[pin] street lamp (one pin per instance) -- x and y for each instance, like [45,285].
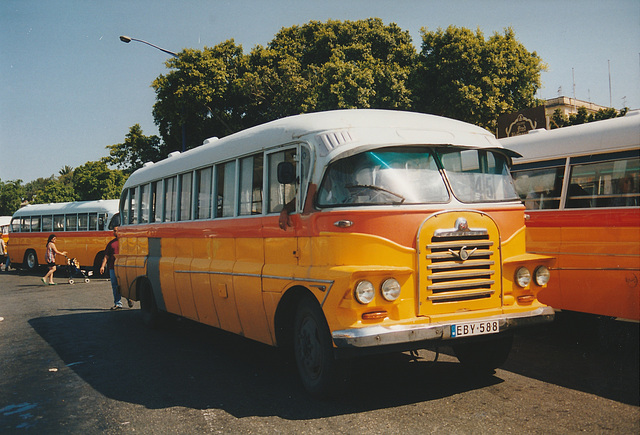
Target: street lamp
[126,40]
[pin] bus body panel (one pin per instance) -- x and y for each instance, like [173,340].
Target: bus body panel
[581,239]
[596,240]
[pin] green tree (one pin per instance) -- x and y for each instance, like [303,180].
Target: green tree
[56,192]
[11,194]
[318,66]
[136,150]
[332,65]
[33,189]
[94,180]
[464,76]
[199,94]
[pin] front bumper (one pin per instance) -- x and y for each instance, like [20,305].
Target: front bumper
[379,335]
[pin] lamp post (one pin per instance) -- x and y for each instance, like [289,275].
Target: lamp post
[126,40]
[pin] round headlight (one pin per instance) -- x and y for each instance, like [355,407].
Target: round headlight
[390,289]
[541,275]
[523,277]
[364,292]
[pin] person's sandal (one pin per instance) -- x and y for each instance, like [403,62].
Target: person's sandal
[44,281]
[130,303]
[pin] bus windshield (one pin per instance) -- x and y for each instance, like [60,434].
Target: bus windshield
[393,176]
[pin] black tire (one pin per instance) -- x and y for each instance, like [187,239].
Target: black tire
[320,373]
[151,316]
[483,357]
[30,260]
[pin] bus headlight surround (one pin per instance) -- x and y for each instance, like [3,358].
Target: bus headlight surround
[390,289]
[541,275]
[364,292]
[523,277]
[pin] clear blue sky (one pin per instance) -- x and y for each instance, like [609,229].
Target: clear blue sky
[69,87]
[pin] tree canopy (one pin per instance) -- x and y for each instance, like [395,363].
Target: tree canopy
[462,75]
[344,64]
[135,151]
[317,66]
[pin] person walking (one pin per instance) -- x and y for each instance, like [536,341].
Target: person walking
[110,252]
[3,253]
[50,258]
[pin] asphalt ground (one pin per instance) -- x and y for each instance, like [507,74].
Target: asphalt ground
[70,365]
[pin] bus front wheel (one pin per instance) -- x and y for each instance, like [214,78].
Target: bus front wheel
[319,371]
[31,260]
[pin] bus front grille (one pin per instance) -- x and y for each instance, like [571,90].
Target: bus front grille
[460,268]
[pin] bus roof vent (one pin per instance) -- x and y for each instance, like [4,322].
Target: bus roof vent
[173,154]
[147,164]
[333,140]
[210,140]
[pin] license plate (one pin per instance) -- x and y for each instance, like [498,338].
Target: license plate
[475,328]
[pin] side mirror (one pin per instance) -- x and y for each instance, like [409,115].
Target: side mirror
[286,173]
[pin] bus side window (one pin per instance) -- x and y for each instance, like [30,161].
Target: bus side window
[203,193]
[35,223]
[93,221]
[170,200]
[185,197]
[156,202]
[144,204]
[83,221]
[133,205]
[58,222]
[71,222]
[280,194]
[47,223]
[539,189]
[225,189]
[251,185]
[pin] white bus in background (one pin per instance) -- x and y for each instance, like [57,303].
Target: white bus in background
[83,229]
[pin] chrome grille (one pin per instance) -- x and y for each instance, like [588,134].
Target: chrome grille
[460,266]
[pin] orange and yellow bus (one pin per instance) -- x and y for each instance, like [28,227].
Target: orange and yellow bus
[580,188]
[5,223]
[337,234]
[83,229]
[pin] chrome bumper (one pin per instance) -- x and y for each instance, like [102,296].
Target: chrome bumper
[379,335]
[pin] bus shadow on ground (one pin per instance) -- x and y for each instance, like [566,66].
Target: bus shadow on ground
[584,353]
[196,366]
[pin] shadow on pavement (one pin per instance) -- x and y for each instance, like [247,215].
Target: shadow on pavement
[192,365]
[196,366]
[582,352]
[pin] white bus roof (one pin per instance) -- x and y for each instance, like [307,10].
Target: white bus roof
[330,133]
[109,206]
[609,135]
[5,220]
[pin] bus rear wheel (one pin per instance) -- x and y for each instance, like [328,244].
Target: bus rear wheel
[319,371]
[483,357]
[31,260]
